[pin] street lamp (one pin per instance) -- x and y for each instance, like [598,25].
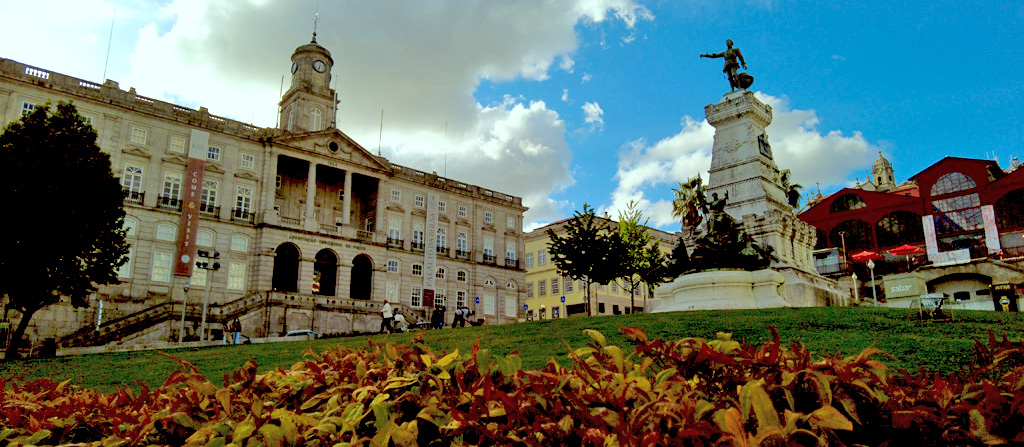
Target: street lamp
[856,297]
[184,305]
[874,293]
[210,264]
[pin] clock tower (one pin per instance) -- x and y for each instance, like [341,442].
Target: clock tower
[310,104]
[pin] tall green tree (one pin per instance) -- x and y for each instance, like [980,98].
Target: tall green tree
[792,190]
[587,250]
[690,202]
[639,256]
[62,234]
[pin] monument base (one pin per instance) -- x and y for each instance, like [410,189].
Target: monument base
[723,289]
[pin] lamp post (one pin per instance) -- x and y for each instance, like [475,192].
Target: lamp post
[874,293]
[210,264]
[184,305]
[856,297]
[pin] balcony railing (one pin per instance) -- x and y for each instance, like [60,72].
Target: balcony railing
[240,215]
[460,254]
[512,262]
[172,203]
[364,235]
[490,259]
[134,196]
[417,246]
[397,243]
[290,220]
[443,251]
[209,210]
[328,228]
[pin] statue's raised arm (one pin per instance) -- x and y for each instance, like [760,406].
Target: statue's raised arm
[733,61]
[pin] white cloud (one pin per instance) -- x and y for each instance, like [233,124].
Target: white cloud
[586,78]
[648,173]
[593,115]
[565,95]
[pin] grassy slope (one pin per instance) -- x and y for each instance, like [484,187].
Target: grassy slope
[825,331]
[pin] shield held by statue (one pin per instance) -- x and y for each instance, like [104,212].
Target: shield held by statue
[745,80]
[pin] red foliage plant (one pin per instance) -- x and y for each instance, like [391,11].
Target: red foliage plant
[691,392]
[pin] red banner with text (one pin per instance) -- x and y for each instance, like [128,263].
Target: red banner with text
[189,223]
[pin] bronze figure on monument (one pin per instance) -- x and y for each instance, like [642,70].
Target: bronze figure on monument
[733,59]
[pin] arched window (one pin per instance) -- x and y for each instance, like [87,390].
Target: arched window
[1010,210]
[286,268]
[952,182]
[362,278]
[325,272]
[847,202]
[855,233]
[316,119]
[898,228]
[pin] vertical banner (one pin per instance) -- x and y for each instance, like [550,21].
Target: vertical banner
[430,250]
[988,215]
[188,224]
[931,244]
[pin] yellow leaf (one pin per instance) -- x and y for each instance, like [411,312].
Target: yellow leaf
[753,397]
[399,382]
[243,431]
[426,359]
[596,336]
[405,434]
[565,423]
[617,357]
[448,359]
[444,375]
[495,409]
[829,417]
[273,436]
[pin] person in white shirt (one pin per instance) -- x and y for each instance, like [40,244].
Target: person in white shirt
[460,317]
[388,318]
[400,324]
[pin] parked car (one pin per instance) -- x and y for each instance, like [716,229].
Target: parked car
[302,333]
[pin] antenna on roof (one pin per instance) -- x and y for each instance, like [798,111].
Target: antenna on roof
[380,136]
[110,39]
[316,19]
[446,149]
[280,93]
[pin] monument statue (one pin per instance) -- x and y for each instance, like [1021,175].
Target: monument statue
[733,60]
[723,244]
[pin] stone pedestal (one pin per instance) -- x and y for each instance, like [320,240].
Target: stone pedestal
[722,289]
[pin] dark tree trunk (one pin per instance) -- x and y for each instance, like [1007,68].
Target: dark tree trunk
[19,331]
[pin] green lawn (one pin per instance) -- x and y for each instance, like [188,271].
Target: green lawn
[825,331]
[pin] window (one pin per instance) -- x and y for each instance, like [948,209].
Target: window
[236,276]
[568,285]
[847,202]
[554,285]
[462,242]
[899,227]
[391,291]
[131,181]
[243,202]
[615,288]
[198,278]
[440,297]
[125,270]
[161,267]
[529,260]
[394,230]
[417,201]
[529,290]
[542,288]
[855,233]
[442,207]
[542,257]
[86,119]
[583,285]
[171,193]
[510,222]
[952,182]
[239,243]
[177,145]
[600,308]
[489,246]
[248,161]
[277,181]
[396,195]
[166,232]
[208,197]
[460,298]
[442,238]
[316,119]
[416,296]
[204,238]
[131,224]
[489,303]
[139,135]
[462,211]
[510,252]
[213,153]
[488,217]
[957,214]
[392,266]
[291,118]
[441,273]
[510,306]
[460,276]
[27,108]
[417,236]
[417,269]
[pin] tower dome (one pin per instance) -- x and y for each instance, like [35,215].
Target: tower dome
[882,174]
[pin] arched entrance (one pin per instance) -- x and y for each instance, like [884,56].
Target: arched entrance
[362,278]
[326,267]
[286,268]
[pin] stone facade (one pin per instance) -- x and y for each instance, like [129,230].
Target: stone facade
[283,207]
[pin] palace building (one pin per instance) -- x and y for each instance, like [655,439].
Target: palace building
[308,228]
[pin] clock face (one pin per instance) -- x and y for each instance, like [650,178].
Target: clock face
[295,67]
[319,66]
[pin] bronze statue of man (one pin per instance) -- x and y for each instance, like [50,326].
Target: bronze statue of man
[731,69]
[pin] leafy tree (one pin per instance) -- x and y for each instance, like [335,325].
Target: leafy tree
[792,190]
[62,234]
[640,257]
[586,252]
[690,202]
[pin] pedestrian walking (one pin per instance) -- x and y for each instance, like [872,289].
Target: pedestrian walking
[388,318]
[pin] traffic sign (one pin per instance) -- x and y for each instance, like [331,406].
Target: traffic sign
[1004,301]
[526,307]
[563,298]
[478,300]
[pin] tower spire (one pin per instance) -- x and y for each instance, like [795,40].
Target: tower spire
[316,20]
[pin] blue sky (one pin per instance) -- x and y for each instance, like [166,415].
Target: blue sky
[561,103]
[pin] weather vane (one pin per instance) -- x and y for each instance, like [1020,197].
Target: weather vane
[316,19]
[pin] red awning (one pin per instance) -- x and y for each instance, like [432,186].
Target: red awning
[866,256]
[905,250]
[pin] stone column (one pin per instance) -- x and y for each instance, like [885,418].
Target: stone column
[270,188]
[346,208]
[309,223]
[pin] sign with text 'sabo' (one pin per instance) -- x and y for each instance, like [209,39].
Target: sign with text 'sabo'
[192,190]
